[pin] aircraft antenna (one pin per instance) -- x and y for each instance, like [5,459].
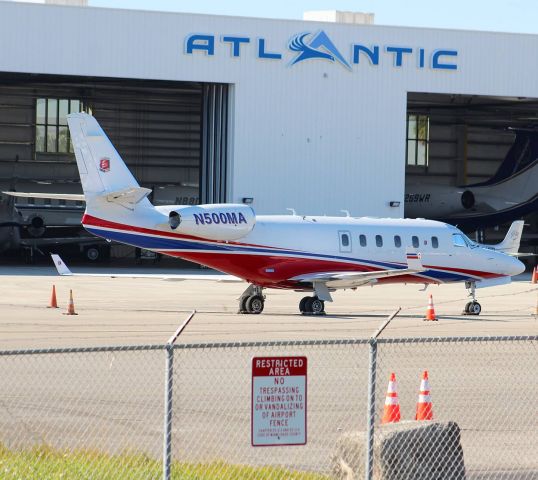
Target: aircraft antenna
[346,212]
[292,210]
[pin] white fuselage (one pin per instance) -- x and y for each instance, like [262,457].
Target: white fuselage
[279,248]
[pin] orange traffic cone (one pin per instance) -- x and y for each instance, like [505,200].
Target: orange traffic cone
[391,412]
[53,302]
[71,306]
[424,404]
[430,312]
[534,277]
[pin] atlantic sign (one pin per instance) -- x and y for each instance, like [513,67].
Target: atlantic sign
[309,46]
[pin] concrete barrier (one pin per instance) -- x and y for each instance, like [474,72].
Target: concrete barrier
[405,450]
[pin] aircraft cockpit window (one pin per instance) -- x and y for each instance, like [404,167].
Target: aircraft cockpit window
[415,241]
[458,240]
[362,240]
[397,241]
[435,242]
[379,240]
[469,242]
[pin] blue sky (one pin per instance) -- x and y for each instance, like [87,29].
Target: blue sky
[495,15]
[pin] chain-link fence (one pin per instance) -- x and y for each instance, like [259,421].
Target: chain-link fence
[185,412]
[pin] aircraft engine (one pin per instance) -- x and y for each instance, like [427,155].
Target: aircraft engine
[467,199]
[36,228]
[216,221]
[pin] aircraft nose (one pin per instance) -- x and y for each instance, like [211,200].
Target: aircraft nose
[514,266]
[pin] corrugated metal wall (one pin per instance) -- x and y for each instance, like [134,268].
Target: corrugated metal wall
[485,150]
[156,127]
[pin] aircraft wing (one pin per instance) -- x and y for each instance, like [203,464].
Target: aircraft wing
[40,242]
[357,279]
[53,196]
[64,270]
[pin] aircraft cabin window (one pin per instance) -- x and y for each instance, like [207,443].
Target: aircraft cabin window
[397,241]
[415,241]
[458,240]
[435,242]
[362,240]
[345,241]
[379,240]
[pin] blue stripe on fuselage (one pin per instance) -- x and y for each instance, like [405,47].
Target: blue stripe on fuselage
[163,243]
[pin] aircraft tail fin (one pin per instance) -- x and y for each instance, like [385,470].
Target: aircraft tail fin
[102,170]
[510,244]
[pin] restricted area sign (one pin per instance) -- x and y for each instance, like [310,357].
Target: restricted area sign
[278,401]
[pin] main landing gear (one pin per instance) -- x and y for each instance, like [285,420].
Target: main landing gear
[252,300]
[473,307]
[312,306]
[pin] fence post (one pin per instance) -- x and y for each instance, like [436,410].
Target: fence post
[168,392]
[370,422]
[371,410]
[168,395]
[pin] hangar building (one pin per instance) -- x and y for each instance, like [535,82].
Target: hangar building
[315,116]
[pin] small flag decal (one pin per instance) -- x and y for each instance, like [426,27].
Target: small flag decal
[104,164]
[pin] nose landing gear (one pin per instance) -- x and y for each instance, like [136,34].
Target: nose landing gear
[473,307]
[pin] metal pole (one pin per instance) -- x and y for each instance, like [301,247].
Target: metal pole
[168,391]
[370,428]
[168,395]
[371,411]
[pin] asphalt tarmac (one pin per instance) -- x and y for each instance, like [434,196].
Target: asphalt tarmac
[113,401]
[125,311]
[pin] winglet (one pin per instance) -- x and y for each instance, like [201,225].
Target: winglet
[62,268]
[414,260]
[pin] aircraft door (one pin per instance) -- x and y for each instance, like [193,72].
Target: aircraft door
[344,238]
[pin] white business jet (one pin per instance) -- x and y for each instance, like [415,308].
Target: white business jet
[303,253]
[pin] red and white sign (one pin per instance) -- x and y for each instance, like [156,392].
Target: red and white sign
[104,164]
[278,401]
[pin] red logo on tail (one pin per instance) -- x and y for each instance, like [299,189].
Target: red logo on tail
[104,164]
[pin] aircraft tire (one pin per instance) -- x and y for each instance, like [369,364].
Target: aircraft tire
[302,304]
[243,305]
[467,308]
[254,304]
[92,253]
[475,308]
[315,306]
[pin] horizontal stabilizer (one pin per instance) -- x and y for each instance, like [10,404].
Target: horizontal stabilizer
[128,197]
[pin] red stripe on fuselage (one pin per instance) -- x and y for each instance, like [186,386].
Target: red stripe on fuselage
[253,267]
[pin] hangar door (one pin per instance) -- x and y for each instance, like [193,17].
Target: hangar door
[172,135]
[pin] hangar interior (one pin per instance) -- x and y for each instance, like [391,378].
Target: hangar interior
[172,135]
[463,139]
